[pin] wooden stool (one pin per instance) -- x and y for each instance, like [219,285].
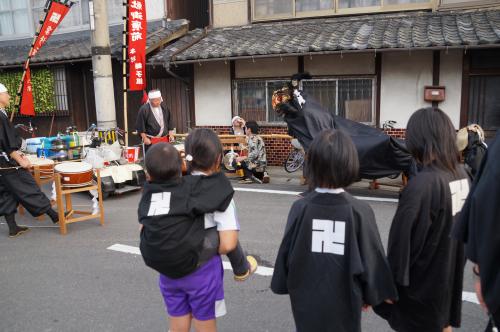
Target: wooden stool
[66,212]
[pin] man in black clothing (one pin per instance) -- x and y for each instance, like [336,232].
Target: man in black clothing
[479,229]
[153,119]
[17,185]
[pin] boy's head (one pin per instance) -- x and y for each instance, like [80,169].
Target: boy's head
[332,161]
[163,162]
[252,128]
[203,150]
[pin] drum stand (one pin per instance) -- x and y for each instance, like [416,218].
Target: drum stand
[66,212]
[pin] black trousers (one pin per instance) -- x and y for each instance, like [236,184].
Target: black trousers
[496,318]
[247,171]
[19,187]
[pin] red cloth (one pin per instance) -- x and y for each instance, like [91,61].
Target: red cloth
[27,106]
[136,51]
[155,140]
[145,97]
[56,13]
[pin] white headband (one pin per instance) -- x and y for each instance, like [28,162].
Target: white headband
[2,88]
[154,94]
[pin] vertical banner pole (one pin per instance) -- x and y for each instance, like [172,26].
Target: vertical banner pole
[27,63]
[125,48]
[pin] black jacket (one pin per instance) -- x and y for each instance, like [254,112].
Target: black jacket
[146,122]
[331,262]
[172,214]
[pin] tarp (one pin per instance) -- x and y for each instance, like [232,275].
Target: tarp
[380,155]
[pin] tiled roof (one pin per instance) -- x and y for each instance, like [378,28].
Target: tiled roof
[76,45]
[376,31]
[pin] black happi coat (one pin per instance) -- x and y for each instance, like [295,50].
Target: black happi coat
[146,121]
[17,185]
[174,230]
[327,287]
[379,154]
[426,262]
[479,227]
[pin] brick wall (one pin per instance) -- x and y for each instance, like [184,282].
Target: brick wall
[277,149]
[396,132]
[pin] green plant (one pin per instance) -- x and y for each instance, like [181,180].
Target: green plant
[43,83]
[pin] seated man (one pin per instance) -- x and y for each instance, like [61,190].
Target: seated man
[254,165]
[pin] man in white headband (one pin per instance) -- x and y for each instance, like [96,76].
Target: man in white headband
[154,120]
[17,185]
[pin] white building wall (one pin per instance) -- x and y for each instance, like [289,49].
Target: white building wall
[404,76]
[266,67]
[450,77]
[336,64]
[212,94]
[155,9]
[228,13]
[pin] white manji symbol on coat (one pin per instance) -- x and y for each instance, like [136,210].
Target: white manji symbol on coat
[160,204]
[328,236]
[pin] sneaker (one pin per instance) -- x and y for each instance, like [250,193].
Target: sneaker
[245,181]
[17,231]
[253,267]
[266,178]
[255,179]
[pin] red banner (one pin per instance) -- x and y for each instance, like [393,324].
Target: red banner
[27,104]
[136,51]
[55,15]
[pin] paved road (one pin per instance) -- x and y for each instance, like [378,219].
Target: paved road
[68,283]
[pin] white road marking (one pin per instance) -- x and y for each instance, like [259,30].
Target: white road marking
[33,226]
[125,248]
[295,193]
[470,297]
[261,270]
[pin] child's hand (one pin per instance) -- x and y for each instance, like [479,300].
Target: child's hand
[389,301]
[366,307]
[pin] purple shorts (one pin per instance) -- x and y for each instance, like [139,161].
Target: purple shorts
[201,293]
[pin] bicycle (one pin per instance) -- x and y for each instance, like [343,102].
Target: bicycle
[389,124]
[296,157]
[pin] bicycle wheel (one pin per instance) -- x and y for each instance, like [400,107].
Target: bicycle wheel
[294,161]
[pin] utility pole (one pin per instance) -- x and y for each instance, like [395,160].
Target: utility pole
[101,65]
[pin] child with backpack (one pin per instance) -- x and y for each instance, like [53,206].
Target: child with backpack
[181,238]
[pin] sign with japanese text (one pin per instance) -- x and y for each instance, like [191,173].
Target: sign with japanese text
[136,51]
[55,15]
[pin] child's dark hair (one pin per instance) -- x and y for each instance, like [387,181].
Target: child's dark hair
[163,162]
[253,126]
[332,160]
[431,139]
[204,147]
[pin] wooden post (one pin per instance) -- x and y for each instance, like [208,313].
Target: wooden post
[26,64]
[124,59]
[60,205]
[99,193]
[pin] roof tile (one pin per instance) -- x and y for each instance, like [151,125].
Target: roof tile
[375,31]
